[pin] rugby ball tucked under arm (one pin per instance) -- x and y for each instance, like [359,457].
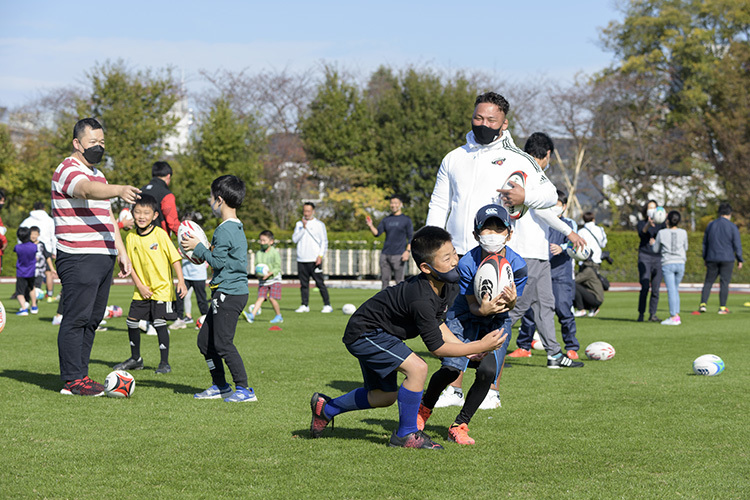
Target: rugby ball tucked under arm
[193,229]
[493,275]
[515,211]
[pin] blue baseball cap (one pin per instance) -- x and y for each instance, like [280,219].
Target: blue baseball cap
[488,212]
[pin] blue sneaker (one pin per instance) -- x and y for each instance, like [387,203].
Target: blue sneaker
[34,310]
[214,392]
[277,319]
[242,395]
[249,316]
[23,312]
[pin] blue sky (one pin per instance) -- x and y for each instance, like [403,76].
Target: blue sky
[48,44]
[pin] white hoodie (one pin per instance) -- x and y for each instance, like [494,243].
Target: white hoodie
[469,178]
[46,225]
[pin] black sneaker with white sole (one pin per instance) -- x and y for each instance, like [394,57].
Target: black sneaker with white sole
[130,364]
[163,368]
[414,440]
[562,361]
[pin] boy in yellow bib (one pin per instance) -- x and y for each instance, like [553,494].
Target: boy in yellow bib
[154,258]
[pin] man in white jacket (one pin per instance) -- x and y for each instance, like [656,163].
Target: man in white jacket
[311,238]
[41,219]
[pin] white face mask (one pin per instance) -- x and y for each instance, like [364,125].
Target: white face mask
[492,243]
[557,210]
[650,213]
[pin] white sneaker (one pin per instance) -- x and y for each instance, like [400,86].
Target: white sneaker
[673,321]
[260,310]
[178,324]
[302,309]
[327,309]
[580,313]
[491,400]
[57,319]
[451,396]
[151,330]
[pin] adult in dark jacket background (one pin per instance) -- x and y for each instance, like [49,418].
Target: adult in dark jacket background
[649,263]
[158,187]
[721,246]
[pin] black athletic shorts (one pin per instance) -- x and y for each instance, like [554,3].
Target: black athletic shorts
[151,310]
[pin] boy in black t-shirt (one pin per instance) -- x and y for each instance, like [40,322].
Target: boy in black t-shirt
[375,335]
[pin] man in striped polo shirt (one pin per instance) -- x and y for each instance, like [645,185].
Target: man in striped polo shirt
[87,247]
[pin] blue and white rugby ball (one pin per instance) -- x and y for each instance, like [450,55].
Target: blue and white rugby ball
[708,364]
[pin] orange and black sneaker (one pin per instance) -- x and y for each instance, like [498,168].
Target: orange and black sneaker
[520,353]
[82,387]
[414,440]
[319,419]
[572,354]
[460,434]
[422,416]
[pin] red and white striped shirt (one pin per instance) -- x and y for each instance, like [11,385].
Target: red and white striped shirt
[81,226]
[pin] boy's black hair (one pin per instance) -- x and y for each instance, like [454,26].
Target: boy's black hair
[588,216]
[538,144]
[146,200]
[81,125]
[426,242]
[673,218]
[266,233]
[23,234]
[230,188]
[493,98]
[309,203]
[39,205]
[160,169]
[34,228]
[562,197]
[725,209]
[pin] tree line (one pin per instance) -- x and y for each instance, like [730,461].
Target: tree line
[670,114]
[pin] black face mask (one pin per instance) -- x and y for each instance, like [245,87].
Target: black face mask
[2,205]
[94,154]
[484,134]
[451,276]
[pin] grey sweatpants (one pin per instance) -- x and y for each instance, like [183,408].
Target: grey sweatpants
[538,296]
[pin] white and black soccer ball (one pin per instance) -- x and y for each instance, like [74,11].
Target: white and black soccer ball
[119,384]
[709,365]
[600,351]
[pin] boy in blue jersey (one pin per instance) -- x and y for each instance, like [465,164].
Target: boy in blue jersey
[227,256]
[563,288]
[376,332]
[471,318]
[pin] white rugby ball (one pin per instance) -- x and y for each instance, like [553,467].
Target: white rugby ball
[600,351]
[125,215]
[708,364]
[660,215]
[119,384]
[579,254]
[516,211]
[348,309]
[493,275]
[193,229]
[536,343]
[199,322]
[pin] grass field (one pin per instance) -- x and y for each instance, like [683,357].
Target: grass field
[640,425]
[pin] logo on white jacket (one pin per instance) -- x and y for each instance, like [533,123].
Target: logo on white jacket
[498,161]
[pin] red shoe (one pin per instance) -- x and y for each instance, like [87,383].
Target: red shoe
[460,434]
[422,416]
[572,354]
[82,387]
[520,353]
[319,418]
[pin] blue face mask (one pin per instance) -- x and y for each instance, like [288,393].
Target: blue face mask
[451,276]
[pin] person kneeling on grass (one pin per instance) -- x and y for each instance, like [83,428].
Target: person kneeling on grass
[473,317]
[153,256]
[375,335]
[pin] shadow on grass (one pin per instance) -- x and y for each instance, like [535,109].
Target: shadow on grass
[47,381]
[176,388]
[349,433]
[344,386]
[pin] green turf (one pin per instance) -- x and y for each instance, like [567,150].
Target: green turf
[640,425]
